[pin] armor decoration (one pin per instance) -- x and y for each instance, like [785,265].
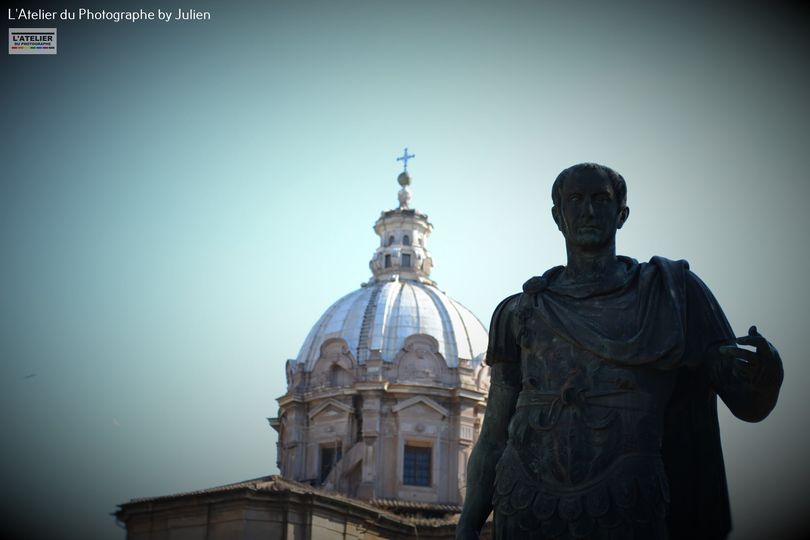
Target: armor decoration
[583,457]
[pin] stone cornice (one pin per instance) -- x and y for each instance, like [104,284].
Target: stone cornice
[330,392]
[464,393]
[288,399]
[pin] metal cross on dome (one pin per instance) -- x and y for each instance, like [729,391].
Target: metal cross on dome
[404,159]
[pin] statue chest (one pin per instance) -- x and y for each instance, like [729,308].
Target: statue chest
[579,415]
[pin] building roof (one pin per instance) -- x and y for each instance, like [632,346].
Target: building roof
[423,514]
[382,315]
[399,506]
[264,483]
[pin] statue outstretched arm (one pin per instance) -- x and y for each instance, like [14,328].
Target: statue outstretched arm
[748,381]
[503,392]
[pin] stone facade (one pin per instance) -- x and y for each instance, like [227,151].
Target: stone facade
[372,411]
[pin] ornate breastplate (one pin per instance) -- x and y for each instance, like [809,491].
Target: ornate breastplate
[578,414]
[584,441]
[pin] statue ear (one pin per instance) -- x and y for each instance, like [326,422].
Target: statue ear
[623,214]
[555,213]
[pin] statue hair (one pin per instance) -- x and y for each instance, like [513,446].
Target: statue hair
[616,180]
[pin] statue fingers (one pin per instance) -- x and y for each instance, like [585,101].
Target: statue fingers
[738,352]
[756,341]
[765,350]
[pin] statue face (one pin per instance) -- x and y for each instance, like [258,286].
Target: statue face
[589,214]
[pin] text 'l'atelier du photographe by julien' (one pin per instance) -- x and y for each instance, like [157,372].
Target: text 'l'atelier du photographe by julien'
[84,14]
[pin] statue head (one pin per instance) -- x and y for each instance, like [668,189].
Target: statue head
[590,205]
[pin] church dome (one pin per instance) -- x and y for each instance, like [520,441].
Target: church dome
[399,301]
[381,315]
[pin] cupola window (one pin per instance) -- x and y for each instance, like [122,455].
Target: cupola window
[416,466]
[330,455]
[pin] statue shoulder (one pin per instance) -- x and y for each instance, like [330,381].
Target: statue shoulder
[502,342]
[679,271]
[537,284]
[662,263]
[673,274]
[505,310]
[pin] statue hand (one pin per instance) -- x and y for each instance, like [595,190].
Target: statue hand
[761,368]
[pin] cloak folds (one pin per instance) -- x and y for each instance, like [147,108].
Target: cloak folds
[674,322]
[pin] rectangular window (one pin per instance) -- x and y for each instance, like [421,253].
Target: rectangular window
[329,456]
[416,467]
[406,259]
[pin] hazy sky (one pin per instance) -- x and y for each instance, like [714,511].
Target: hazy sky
[181,201]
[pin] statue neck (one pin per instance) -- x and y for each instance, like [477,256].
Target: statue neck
[590,266]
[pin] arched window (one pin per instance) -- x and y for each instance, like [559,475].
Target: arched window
[334,376]
[406,240]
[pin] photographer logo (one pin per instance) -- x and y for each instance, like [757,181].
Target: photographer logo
[32,41]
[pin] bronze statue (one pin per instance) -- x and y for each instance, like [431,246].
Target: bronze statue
[602,412]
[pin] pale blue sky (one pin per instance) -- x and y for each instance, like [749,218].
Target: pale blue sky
[199,193]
